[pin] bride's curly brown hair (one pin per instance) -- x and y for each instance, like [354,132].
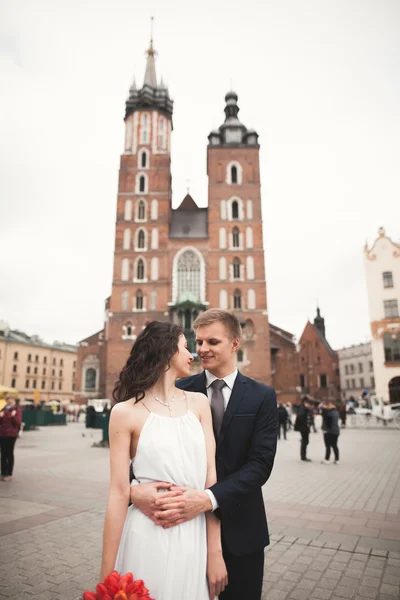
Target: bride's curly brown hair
[150,357]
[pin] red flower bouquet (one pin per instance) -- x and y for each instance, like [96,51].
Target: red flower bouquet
[116,587]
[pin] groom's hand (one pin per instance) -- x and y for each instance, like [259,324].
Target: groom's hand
[174,511]
[145,495]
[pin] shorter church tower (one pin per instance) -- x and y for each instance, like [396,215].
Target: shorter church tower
[236,272]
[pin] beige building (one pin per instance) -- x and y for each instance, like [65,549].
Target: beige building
[38,371]
[382,265]
[356,370]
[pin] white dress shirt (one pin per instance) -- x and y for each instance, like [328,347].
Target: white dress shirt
[226,392]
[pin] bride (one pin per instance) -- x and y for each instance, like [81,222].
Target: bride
[167,434]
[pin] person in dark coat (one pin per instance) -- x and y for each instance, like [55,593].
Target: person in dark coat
[330,427]
[303,424]
[283,418]
[10,424]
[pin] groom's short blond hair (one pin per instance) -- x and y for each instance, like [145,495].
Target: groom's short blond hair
[215,315]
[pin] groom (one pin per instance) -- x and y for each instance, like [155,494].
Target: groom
[245,426]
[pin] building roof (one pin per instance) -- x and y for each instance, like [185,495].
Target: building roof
[189,221]
[289,337]
[19,337]
[232,132]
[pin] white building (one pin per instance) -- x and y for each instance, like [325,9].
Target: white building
[356,370]
[382,263]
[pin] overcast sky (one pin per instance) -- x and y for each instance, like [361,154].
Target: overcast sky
[319,81]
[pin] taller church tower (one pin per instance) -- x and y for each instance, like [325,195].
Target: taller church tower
[236,278]
[140,281]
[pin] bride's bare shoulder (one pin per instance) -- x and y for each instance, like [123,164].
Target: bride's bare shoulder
[127,412]
[198,402]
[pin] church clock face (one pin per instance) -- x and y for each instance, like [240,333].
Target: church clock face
[233,136]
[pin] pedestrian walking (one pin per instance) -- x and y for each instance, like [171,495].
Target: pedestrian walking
[10,423]
[283,418]
[303,424]
[343,413]
[331,430]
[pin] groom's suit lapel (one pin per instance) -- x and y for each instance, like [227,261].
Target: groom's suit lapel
[200,383]
[239,389]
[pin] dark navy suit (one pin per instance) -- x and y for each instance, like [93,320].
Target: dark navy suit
[245,455]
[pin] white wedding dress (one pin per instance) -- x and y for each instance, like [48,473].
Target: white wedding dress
[172,562]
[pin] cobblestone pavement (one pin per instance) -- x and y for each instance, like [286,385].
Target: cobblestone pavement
[335,529]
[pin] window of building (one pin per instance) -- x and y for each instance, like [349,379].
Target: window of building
[36,358]
[27,383]
[371,365]
[34,384]
[44,371]
[54,361]
[351,368]
[45,360]
[28,370]
[125,269]
[29,357]
[141,239]
[153,300]
[53,372]
[139,300]
[14,368]
[61,373]
[222,268]
[323,381]
[73,387]
[13,383]
[189,271]
[391,345]
[348,384]
[145,125]
[240,355]
[15,355]
[234,174]
[236,237]
[387,279]
[302,381]
[360,368]
[60,386]
[43,385]
[161,134]
[235,210]
[353,384]
[125,300]
[140,269]
[251,299]
[143,160]
[61,362]
[391,308]
[361,382]
[372,381]
[237,299]
[35,370]
[74,364]
[128,210]
[346,369]
[142,183]
[236,268]
[141,211]
[90,379]
[52,385]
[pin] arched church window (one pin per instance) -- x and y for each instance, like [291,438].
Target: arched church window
[139,299]
[141,211]
[237,299]
[236,268]
[235,210]
[189,275]
[161,134]
[143,160]
[129,329]
[235,237]
[240,355]
[140,269]
[145,129]
[142,184]
[153,300]
[141,239]
[90,379]
[234,174]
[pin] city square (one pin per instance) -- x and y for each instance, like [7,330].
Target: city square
[335,529]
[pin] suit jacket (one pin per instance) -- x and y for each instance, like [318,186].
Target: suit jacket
[245,455]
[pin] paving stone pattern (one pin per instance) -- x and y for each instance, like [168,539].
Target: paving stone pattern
[335,529]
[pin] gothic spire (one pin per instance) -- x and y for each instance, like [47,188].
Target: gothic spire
[150,77]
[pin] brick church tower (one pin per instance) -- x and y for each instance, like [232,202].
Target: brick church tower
[173,264]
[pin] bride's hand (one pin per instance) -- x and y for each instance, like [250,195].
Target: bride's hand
[216,573]
[144,496]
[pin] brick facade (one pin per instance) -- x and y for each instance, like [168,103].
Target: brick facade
[284,365]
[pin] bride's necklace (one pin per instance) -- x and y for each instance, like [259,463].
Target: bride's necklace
[166,404]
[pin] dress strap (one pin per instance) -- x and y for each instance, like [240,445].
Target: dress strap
[187,400]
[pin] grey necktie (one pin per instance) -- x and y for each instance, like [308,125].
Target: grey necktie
[217,405]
